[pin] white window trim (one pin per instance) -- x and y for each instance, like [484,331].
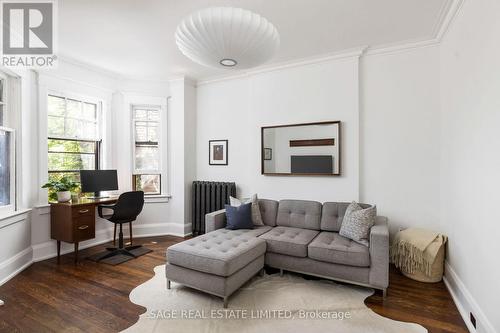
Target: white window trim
[12,207]
[162,144]
[53,84]
[160,139]
[43,95]
[11,112]
[5,98]
[131,100]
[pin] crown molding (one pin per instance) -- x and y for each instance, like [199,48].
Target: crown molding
[400,47]
[93,68]
[108,73]
[446,17]
[183,79]
[350,53]
[43,76]
[443,12]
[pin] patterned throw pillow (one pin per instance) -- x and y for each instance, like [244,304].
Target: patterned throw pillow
[256,217]
[357,223]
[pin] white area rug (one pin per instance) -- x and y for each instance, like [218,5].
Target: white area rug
[265,304]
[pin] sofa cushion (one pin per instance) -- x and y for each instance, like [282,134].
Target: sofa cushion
[239,217]
[299,214]
[357,223]
[289,241]
[221,252]
[333,213]
[268,211]
[333,248]
[256,215]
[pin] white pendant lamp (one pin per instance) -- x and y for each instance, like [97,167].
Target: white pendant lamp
[225,37]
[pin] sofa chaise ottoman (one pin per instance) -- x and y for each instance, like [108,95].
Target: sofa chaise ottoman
[298,235]
[218,262]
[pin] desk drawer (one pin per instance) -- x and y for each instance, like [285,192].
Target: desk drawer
[83,211]
[83,228]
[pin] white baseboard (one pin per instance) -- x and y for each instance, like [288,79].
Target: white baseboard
[14,265]
[466,303]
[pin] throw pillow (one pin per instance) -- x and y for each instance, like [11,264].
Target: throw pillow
[256,216]
[239,217]
[357,223]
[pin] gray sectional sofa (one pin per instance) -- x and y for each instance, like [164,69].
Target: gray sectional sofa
[299,236]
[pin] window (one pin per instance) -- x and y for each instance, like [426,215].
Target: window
[7,154]
[147,153]
[73,137]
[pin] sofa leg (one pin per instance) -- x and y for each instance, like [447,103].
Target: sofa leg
[225,302]
[168,284]
[262,272]
[281,272]
[384,292]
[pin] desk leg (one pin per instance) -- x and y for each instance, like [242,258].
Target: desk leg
[58,251]
[76,252]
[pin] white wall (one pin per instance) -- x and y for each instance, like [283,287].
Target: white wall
[398,165]
[15,247]
[470,178]
[400,126]
[236,109]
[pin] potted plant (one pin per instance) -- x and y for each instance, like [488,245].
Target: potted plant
[62,188]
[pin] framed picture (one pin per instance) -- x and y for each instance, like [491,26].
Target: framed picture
[268,154]
[217,152]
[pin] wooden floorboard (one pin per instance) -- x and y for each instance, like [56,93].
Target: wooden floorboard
[428,304]
[89,297]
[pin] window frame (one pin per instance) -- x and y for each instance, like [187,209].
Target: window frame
[99,128]
[12,206]
[6,126]
[161,143]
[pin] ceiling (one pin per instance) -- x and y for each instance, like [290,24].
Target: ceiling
[135,38]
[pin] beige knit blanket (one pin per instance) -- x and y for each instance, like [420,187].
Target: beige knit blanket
[416,249]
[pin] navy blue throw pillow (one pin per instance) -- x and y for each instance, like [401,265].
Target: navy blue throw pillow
[239,217]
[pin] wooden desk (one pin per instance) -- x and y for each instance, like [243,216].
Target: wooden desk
[74,222]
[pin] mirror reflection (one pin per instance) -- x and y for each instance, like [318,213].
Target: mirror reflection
[301,149]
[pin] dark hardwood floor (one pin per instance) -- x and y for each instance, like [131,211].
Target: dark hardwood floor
[428,304]
[91,297]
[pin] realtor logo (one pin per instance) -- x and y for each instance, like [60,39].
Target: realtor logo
[28,32]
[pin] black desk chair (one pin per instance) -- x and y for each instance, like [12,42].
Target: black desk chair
[126,210]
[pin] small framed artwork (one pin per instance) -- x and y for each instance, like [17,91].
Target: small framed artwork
[268,154]
[217,152]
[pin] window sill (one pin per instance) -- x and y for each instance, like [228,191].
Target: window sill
[42,209]
[161,198]
[157,198]
[13,217]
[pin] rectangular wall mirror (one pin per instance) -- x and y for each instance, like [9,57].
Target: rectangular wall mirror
[301,149]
